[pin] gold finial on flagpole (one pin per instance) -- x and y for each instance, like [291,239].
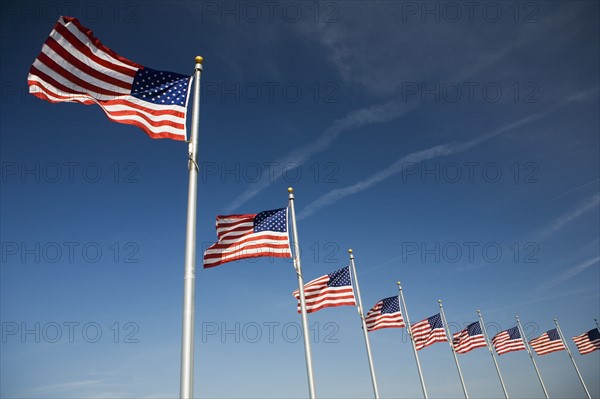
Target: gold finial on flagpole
[350,251]
[290,190]
[199,59]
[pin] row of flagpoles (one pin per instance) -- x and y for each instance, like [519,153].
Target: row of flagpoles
[266,234]
[74,66]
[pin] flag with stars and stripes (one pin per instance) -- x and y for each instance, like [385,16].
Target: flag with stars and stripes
[469,338]
[385,314]
[74,66]
[548,342]
[508,341]
[588,342]
[249,236]
[330,290]
[428,332]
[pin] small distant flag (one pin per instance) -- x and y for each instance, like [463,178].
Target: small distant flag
[385,314]
[428,332]
[74,66]
[330,290]
[588,342]
[547,343]
[249,236]
[468,339]
[508,341]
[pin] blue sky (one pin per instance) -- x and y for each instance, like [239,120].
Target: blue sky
[454,147]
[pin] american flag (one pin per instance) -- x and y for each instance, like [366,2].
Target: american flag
[330,290]
[428,331]
[249,236]
[74,66]
[588,342]
[385,314]
[548,342]
[508,341]
[469,338]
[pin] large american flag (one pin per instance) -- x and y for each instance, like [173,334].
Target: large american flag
[588,342]
[428,331]
[330,290]
[548,342]
[385,314]
[249,236]
[469,338]
[74,66]
[508,341]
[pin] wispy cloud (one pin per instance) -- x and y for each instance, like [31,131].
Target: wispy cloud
[569,273]
[358,118]
[64,388]
[584,207]
[430,153]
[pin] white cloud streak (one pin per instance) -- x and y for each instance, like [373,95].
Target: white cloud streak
[430,153]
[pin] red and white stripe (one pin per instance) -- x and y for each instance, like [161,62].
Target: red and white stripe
[237,240]
[376,320]
[319,296]
[464,343]
[542,345]
[585,345]
[424,336]
[503,344]
[74,66]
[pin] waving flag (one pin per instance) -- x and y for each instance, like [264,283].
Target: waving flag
[508,341]
[330,290]
[588,342]
[547,343]
[469,338]
[385,314]
[249,236]
[74,66]
[428,332]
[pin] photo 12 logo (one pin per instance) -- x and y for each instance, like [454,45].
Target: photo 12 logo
[69,332]
[267,332]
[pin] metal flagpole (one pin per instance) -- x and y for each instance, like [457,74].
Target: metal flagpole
[537,371]
[186,383]
[487,341]
[298,267]
[572,359]
[364,326]
[597,325]
[449,337]
[409,329]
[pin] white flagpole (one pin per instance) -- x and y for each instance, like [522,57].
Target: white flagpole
[572,359]
[412,341]
[364,326]
[537,371]
[298,267]
[186,383]
[487,341]
[449,337]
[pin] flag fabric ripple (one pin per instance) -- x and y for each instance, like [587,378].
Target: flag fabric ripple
[469,338]
[74,66]
[250,236]
[508,341]
[330,290]
[428,332]
[588,342]
[385,314]
[548,342]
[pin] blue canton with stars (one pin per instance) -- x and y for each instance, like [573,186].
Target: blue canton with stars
[553,335]
[474,329]
[593,334]
[435,321]
[275,220]
[158,87]
[390,305]
[339,278]
[513,333]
